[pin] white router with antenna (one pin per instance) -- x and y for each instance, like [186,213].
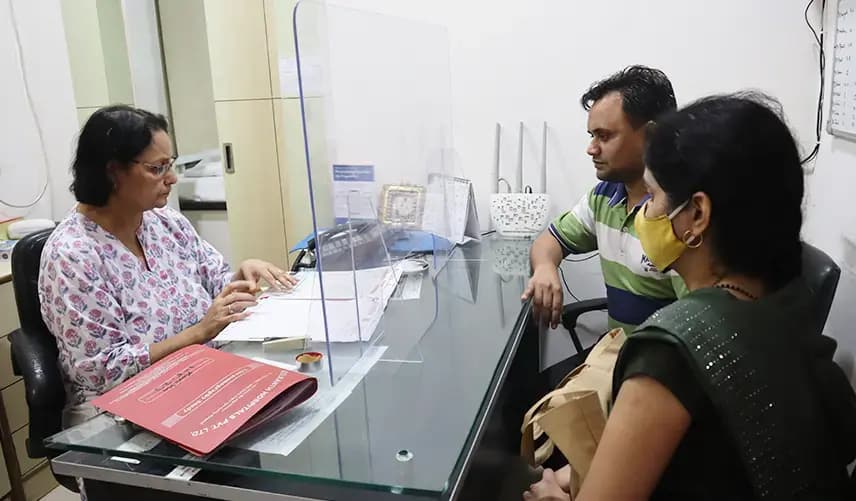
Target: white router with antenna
[521,213]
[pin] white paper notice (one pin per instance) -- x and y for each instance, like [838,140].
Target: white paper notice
[354,193]
[311,74]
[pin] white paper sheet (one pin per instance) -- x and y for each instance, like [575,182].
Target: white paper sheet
[182,472]
[410,287]
[339,285]
[301,421]
[276,319]
[140,442]
[300,312]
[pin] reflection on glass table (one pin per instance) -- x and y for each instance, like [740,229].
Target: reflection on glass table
[404,424]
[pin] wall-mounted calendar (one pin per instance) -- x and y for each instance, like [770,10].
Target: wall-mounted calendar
[842,109]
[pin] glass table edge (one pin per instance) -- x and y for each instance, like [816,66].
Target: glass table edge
[256,472]
[476,431]
[457,472]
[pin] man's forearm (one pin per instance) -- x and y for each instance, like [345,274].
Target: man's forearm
[545,251]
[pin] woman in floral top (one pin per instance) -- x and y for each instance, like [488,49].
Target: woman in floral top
[124,279]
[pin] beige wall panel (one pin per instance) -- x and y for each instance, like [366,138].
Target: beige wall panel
[253,195]
[237,43]
[185,46]
[85,55]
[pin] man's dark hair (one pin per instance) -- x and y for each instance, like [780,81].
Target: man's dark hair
[646,93]
[738,150]
[114,134]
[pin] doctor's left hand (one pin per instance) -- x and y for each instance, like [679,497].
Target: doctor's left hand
[255,270]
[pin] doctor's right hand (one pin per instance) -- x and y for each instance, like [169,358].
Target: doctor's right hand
[229,306]
[546,292]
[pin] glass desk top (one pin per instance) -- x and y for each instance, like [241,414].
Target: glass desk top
[407,425]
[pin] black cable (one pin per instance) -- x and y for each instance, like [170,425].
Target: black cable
[488,233]
[562,273]
[822,68]
[569,260]
[39,131]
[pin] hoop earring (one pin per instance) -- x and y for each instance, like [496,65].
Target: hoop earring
[692,241]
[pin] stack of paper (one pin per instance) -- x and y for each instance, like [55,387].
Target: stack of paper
[353,306]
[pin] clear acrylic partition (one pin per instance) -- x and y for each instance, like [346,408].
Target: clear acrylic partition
[376,116]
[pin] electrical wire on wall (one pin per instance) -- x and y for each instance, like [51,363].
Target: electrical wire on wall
[818,38]
[562,272]
[20,55]
[569,260]
[567,287]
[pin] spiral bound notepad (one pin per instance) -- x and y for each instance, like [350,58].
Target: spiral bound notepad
[450,209]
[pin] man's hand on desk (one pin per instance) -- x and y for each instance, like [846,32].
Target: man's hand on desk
[256,270]
[546,292]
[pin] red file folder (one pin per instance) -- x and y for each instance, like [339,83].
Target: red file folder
[199,397]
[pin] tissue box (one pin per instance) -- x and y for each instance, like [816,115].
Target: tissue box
[6,249]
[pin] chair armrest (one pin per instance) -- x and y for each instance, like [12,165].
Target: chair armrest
[35,355]
[571,313]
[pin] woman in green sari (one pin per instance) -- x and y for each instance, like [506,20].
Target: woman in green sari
[729,393]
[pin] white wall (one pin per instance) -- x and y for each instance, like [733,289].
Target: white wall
[531,61]
[830,221]
[22,169]
[213,227]
[510,61]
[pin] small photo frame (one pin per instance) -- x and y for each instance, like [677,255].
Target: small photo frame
[402,205]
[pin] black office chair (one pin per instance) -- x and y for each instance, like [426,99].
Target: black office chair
[34,352]
[819,271]
[821,274]
[572,312]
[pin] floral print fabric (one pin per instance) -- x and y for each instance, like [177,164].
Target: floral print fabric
[106,307]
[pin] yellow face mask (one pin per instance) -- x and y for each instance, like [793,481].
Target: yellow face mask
[658,238]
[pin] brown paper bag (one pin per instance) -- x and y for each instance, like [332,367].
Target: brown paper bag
[573,415]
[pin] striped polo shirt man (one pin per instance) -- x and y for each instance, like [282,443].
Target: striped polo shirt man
[601,221]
